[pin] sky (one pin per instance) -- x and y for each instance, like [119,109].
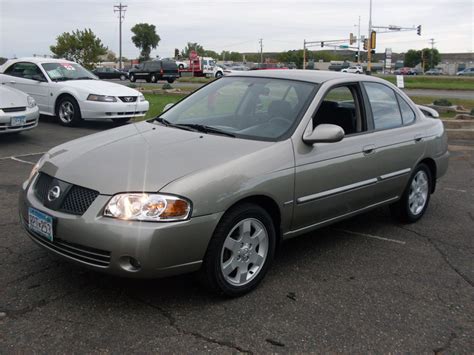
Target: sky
[29,27]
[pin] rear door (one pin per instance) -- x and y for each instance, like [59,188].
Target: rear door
[28,77]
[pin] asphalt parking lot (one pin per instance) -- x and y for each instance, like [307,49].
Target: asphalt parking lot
[366,284]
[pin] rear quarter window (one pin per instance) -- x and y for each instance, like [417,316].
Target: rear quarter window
[384,105]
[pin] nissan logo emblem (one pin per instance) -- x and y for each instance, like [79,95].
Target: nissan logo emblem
[54,193]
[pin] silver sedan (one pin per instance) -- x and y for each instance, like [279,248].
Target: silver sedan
[217,181]
[18,111]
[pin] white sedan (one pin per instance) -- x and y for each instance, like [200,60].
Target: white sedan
[18,111]
[356,69]
[65,89]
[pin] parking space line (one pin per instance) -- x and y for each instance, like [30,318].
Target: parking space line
[22,161]
[21,155]
[451,189]
[371,236]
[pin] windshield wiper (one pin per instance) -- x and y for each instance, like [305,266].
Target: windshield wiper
[85,78]
[167,123]
[206,129]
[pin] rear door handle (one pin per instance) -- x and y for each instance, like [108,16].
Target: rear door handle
[368,149]
[418,137]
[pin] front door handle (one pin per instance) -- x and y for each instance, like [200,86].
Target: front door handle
[368,149]
[418,137]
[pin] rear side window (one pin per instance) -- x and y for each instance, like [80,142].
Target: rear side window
[408,115]
[25,70]
[384,104]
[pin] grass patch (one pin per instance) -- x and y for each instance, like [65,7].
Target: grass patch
[426,100]
[158,102]
[434,82]
[191,79]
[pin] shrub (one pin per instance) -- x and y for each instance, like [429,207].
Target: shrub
[166,86]
[442,102]
[133,86]
[472,112]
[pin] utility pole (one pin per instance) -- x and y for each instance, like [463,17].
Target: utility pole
[120,9]
[304,54]
[369,49]
[358,44]
[432,42]
[261,50]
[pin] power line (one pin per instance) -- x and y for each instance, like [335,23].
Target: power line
[120,9]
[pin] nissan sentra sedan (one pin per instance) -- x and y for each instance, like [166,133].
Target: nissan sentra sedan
[68,91]
[218,180]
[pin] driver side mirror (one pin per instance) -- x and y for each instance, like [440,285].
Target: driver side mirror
[167,107]
[324,133]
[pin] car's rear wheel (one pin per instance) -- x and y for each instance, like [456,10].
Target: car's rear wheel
[123,77]
[171,81]
[414,202]
[240,251]
[132,78]
[153,78]
[68,111]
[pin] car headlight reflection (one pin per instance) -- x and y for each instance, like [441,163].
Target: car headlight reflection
[147,207]
[101,98]
[31,102]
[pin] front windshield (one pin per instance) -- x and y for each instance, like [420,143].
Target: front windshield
[67,71]
[255,108]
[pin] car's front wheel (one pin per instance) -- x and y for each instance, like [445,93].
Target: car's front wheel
[219,74]
[240,251]
[414,202]
[123,77]
[68,111]
[153,78]
[132,78]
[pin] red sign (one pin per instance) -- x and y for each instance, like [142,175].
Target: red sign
[193,55]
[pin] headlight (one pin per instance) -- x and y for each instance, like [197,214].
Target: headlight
[31,102]
[35,169]
[101,98]
[141,97]
[148,207]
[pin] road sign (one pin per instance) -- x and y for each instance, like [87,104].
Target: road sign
[400,82]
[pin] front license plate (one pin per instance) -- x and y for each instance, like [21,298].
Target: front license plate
[40,223]
[18,121]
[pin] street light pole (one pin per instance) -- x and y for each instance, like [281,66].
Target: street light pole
[120,8]
[261,50]
[369,44]
[304,54]
[358,42]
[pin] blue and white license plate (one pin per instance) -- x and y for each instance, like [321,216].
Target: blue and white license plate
[18,121]
[40,223]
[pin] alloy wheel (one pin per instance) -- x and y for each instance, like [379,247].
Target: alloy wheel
[418,194]
[66,111]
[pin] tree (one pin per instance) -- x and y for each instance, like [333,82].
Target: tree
[412,58]
[231,56]
[145,39]
[82,47]
[431,58]
[110,56]
[192,46]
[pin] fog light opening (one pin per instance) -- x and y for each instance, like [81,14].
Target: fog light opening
[129,263]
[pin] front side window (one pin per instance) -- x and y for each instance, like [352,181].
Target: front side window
[384,104]
[62,71]
[255,108]
[25,70]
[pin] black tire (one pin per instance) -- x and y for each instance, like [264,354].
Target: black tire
[153,78]
[171,81]
[219,74]
[123,77]
[148,80]
[401,209]
[211,273]
[181,67]
[132,78]
[68,103]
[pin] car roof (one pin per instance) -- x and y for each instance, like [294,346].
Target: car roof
[38,60]
[312,76]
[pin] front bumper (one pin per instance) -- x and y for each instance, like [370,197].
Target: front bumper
[109,110]
[31,114]
[106,244]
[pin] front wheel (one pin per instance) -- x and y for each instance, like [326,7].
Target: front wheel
[132,78]
[218,74]
[414,202]
[240,251]
[68,111]
[153,78]
[123,77]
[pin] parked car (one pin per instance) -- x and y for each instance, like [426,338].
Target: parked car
[182,64]
[466,72]
[434,71]
[355,69]
[110,73]
[215,182]
[18,111]
[235,69]
[65,89]
[404,71]
[155,70]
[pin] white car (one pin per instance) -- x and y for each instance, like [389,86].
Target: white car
[65,89]
[182,65]
[18,111]
[356,69]
[235,69]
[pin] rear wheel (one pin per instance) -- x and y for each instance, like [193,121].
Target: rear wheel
[240,251]
[153,78]
[68,111]
[414,202]
[181,67]
[132,78]
[171,81]
[123,77]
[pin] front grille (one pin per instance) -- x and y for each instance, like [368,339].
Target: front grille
[128,98]
[14,109]
[76,200]
[93,256]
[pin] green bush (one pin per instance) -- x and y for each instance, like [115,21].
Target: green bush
[442,102]
[166,86]
[472,112]
[133,86]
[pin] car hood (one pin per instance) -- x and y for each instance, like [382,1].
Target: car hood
[11,97]
[141,157]
[100,87]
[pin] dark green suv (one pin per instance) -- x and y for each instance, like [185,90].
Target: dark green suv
[155,70]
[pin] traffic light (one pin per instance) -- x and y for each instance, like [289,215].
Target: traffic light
[373,38]
[352,39]
[322,44]
[418,30]
[366,44]
[372,51]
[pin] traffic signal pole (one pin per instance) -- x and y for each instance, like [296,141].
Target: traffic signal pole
[369,44]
